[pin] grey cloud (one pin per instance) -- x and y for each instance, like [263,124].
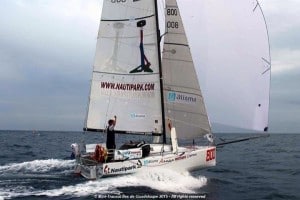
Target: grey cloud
[46,63]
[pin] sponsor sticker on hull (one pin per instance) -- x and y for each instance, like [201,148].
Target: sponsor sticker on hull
[210,154]
[122,169]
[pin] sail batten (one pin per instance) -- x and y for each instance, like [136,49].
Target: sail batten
[123,132]
[139,18]
[123,74]
[183,91]
[176,44]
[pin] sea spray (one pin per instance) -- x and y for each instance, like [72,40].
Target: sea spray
[167,180]
[37,166]
[162,180]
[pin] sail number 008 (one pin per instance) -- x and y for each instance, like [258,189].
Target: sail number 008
[172,24]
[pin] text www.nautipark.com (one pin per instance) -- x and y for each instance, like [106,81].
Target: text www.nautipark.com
[128,87]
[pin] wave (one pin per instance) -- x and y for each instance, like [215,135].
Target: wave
[167,180]
[37,166]
[162,180]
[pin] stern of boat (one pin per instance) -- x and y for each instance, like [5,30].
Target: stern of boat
[88,168]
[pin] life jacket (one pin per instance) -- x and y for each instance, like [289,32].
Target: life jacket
[100,154]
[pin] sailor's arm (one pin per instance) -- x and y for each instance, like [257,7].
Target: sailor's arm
[115,120]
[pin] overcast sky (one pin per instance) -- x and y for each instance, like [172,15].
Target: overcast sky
[47,50]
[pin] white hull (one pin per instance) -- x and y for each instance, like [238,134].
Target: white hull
[186,159]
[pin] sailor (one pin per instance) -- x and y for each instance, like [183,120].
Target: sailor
[75,151]
[110,139]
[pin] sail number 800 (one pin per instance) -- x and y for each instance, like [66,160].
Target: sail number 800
[172,11]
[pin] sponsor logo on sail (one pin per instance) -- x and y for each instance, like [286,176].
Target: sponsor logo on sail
[135,115]
[176,97]
[145,64]
[128,90]
[139,87]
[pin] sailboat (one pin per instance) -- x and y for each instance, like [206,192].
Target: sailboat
[151,92]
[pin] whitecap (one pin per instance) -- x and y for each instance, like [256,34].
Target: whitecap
[163,180]
[37,166]
[160,179]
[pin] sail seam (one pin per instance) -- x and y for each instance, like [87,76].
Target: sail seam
[187,61]
[195,113]
[171,6]
[183,91]
[203,115]
[190,124]
[123,74]
[178,44]
[122,132]
[113,20]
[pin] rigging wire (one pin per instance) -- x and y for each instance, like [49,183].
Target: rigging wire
[224,142]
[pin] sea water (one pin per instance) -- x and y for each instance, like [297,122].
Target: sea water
[37,165]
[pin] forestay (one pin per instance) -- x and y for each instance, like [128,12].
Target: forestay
[184,105]
[125,78]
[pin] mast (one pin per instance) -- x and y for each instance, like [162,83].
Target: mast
[160,74]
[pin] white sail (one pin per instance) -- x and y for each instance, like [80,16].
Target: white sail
[126,81]
[231,40]
[184,105]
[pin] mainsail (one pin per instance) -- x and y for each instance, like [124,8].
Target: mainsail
[184,105]
[126,77]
